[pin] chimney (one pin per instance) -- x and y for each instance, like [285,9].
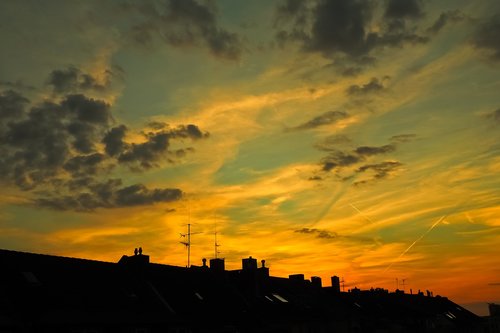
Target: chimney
[136,262]
[249,264]
[297,280]
[336,284]
[217,265]
[263,270]
[316,281]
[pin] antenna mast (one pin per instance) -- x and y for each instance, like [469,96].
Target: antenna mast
[187,243]
[216,245]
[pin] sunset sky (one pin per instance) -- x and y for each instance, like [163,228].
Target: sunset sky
[355,138]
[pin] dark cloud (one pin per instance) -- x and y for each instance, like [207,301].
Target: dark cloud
[404,9]
[17,85]
[109,194]
[113,140]
[381,170]
[140,195]
[320,233]
[337,28]
[72,79]
[145,155]
[12,104]
[182,23]
[401,138]
[306,231]
[59,151]
[157,125]
[486,37]
[370,150]
[341,25]
[295,12]
[338,159]
[326,118]
[375,85]
[38,144]
[83,165]
[496,115]
[292,9]
[452,16]
[349,164]
[87,110]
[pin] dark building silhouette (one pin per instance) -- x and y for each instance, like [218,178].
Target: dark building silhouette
[43,293]
[249,264]
[336,283]
[494,318]
[217,265]
[316,281]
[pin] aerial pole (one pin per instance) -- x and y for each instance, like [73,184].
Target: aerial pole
[216,245]
[187,243]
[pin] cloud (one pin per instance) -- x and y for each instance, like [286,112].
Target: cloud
[338,159]
[348,164]
[381,170]
[12,105]
[401,138]
[326,118]
[444,18]
[320,233]
[486,37]
[17,85]
[370,150]
[39,142]
[72,79]
[182,23]
[113,140]
[139,194]
[59,151]
[340,25]
[108,194]
[84,165]
[144,155]
[292,9]
[408,9]
[496,115]
[375,85]
[337,28]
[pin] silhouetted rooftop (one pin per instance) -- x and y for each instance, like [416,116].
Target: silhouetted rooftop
[59,293]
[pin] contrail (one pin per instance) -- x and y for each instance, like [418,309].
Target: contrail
[415,242]
[361,213]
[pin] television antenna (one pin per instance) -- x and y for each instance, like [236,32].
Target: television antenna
[342,282]
[216,245]
[187,243]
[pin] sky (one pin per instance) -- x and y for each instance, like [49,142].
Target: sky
[356,138]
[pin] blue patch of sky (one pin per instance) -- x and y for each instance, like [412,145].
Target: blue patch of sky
[266,154]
